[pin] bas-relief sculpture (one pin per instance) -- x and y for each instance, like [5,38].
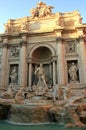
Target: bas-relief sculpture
[43,70]
[24,26]
[70,47]
[14,52]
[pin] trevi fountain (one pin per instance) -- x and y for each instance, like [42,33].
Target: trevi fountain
[43,69]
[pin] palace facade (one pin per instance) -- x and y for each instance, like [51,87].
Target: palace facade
[55,40]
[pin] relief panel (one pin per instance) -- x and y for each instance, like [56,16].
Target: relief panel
[14,52]
[70,47]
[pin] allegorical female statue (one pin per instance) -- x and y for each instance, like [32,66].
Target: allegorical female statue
[14,75]
[73,72]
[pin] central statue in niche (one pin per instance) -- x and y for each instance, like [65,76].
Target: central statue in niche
[40,73]
[41,80]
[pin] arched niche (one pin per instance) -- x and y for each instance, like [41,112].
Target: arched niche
[45,54]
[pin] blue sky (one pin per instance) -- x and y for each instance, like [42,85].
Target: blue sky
[12,9]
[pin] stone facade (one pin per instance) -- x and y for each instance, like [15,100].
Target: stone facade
[55,40]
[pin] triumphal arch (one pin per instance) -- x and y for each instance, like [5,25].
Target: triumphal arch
[55,40]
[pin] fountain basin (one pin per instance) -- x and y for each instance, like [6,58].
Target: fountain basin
[23,113]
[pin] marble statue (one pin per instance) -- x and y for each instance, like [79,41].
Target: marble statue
[19,96]
[41,75]
[9,93]
[14,75]
[41,10]
[41,84]
[55,92]
[24,26]
[6,26]
[73,72]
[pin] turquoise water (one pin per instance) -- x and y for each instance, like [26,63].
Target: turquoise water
[7,126]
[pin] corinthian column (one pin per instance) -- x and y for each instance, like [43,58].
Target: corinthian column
[54,74]
[82,55]
[4,65]
[30,75]
[60,61]
[23,62]
[60,57]
[82,60]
